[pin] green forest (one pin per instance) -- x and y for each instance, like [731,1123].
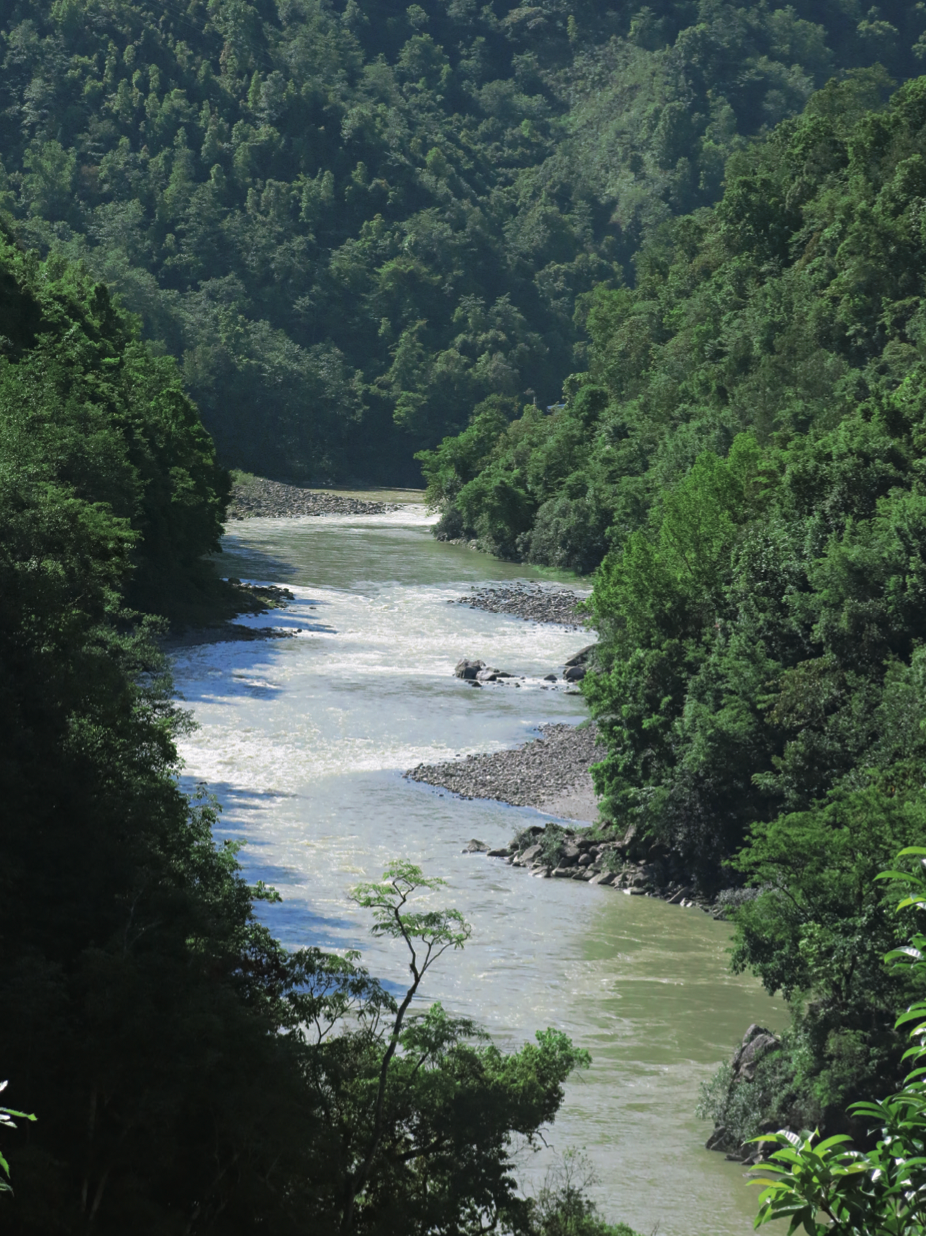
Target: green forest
[638,291]
[351,223]
[744,459]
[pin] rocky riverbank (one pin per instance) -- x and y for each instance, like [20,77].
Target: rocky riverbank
[236,599]
[605,855]
[550,773]
[272,499]
[532,602]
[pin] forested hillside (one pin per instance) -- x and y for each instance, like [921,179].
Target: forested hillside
[352,223]
[757,410]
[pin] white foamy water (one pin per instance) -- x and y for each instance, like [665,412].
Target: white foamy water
[304,741]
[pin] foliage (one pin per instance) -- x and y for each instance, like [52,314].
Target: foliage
[98,431]
[8,1118]
[563,1206]
[776,313]
[826,1186]
[352,223]
[759,614]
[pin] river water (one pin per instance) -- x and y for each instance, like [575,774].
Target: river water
[304,741]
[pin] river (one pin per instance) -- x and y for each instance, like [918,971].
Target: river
[304,741]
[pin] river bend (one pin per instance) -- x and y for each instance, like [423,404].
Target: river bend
[304,741]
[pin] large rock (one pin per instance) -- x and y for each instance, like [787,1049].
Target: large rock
[569,854]
[531,855]
[575,673]
[468,670]
[757,1042]
[476,847]
[581,657]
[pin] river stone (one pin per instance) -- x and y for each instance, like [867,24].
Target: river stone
[531,854]
[476,847]
[581,657]
[261,497]
[569,855]
[757,1041]
[468,670]
[584,860]
[491,675]
[550,678]
[532,602]
[575,673]
[718,1139]
[503,853]
[604,877]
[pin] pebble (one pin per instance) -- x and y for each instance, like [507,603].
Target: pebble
[274,500]
[525,776]
[532,602]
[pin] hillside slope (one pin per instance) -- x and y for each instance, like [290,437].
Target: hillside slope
[354,222]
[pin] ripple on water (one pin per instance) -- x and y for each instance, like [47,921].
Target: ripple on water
[304,741]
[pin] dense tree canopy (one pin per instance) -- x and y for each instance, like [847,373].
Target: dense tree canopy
[755,407]
[353,222]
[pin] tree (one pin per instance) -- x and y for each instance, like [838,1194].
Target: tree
[8,1118]
[427,935]
[420,1111]
[857,1192]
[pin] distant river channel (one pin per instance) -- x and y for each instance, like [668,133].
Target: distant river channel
[304,741]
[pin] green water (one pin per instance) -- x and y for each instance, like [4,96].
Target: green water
[305,740]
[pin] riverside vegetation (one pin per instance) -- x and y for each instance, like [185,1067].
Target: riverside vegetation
[746,455]
[368,229]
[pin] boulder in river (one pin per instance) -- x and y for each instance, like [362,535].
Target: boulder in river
[757,1041]
[476,847]
[569,854]
[575,673]
[492,675]
[468,670]
[581,657]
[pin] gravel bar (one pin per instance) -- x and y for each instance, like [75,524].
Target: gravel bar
[532,602]
[274,500]
[538,774]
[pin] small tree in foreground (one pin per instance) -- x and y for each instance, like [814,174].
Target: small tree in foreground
[829,1189]
[8,1118]
[420,1114]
